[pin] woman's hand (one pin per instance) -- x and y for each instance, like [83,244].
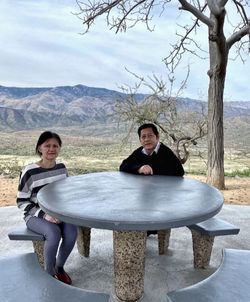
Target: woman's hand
[51,219]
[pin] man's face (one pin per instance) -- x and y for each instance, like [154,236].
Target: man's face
[148,140]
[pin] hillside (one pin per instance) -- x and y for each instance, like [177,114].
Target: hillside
[29,108]
[34,108]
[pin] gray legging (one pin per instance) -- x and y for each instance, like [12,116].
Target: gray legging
[53,234]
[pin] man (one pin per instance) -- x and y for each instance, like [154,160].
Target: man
[153,157]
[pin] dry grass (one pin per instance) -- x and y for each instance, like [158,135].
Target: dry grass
[237,189]
[99,149]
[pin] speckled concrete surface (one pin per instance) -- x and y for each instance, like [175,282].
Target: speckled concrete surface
[163,273]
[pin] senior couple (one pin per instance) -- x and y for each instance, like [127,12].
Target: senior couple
[153,157]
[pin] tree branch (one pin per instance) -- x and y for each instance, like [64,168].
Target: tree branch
[238,35]
[196,12]
[119,24]
[179,48]
[242,12]
[215,8]
[94,10]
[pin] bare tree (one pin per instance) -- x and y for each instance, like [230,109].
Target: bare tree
[123,14]
[180,128]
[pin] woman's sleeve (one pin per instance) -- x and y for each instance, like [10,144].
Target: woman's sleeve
[24,196]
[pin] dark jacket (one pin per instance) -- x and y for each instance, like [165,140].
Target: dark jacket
[163,163]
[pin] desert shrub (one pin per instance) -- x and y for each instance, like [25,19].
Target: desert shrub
[11,168]
[239,173]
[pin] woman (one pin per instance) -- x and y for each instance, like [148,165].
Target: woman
[33,177]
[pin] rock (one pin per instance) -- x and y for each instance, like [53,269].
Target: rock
[5,175]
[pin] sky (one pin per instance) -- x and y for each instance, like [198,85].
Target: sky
[42,45]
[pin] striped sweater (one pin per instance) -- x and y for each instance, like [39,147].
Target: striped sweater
[32,179]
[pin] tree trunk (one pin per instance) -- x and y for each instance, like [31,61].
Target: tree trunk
[217,73]
[215,171]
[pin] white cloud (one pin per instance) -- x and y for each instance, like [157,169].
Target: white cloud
[41,46]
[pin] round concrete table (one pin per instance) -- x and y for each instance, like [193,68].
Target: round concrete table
[130,205]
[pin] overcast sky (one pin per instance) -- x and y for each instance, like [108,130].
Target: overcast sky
[41,46]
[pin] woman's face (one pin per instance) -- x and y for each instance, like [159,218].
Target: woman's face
[50,149]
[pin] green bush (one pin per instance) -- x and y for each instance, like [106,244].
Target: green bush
[195,172]
[243,173]
[10,168]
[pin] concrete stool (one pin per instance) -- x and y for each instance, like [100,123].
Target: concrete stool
[23,233]
[83,241]
[22,279]
[231,281]
[203,234]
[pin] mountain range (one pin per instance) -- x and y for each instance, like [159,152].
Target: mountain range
[31,108]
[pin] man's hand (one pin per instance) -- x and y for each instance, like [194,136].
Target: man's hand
[146,169]
[51,219]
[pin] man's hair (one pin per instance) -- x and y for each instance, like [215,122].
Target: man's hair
[44,137]
[144,126]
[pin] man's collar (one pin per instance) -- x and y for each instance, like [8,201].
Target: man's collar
[155,150]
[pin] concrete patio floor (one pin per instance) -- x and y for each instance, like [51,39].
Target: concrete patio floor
[162,273]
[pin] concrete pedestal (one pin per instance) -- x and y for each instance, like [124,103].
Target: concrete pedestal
[129,264]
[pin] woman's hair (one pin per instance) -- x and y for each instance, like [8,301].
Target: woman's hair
[44,137]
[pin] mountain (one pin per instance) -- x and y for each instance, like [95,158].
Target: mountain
[30,108]
[68,93]
[13,119]
[231,109]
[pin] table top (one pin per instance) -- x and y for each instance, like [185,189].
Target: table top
[123,201]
